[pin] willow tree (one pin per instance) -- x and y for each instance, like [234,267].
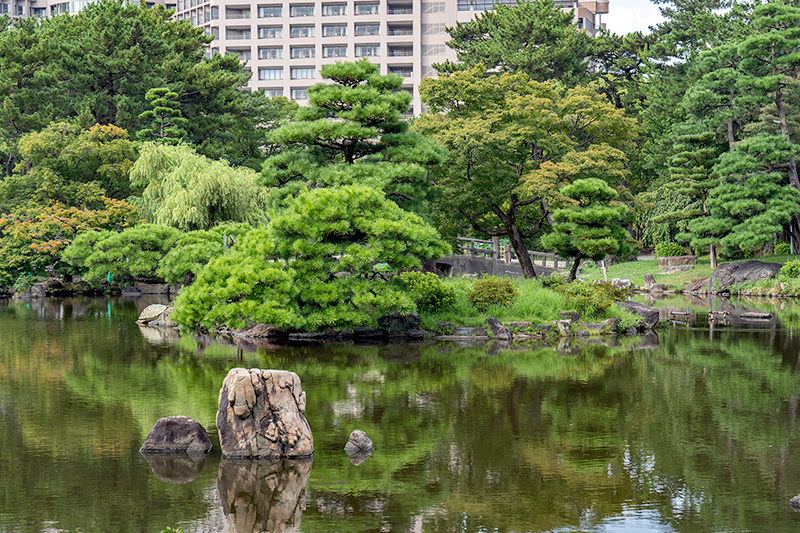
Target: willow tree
[188,191]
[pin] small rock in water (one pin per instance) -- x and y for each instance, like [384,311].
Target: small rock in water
[358,442]
[795,502]
[175,434]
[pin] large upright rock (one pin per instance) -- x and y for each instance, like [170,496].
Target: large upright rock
[262,414]
[175,434]
[648,314]
[728,274]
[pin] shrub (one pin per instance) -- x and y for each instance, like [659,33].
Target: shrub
[553,280]
[783,248]
[591,299]
[491,291]
[428,291]
[669,249]
[790,269]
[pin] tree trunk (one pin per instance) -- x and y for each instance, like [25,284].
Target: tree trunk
[573,272]
[794,181]
[522,251]
[730,124]
[712,254]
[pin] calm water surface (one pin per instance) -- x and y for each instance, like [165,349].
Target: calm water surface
[692,430]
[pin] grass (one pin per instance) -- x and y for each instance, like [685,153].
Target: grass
[534,303]
[636,270]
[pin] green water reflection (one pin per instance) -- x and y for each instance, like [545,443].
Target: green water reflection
[698,433]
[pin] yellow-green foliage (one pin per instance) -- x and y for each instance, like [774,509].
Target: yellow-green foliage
[790,269]
[428,291]
[591,299]
[491,291]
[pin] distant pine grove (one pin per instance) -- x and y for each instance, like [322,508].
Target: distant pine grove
[128,155]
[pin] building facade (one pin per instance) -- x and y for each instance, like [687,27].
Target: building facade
[286,42]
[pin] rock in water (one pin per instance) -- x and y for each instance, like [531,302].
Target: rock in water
[795,502]
[151,312]
[649,314]
[358,442]
[262,414]
[175,434]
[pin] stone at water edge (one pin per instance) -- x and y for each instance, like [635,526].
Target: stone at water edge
[648,314]
[151,312]
[499,331]
[177,434]
[262,414]
[795,502]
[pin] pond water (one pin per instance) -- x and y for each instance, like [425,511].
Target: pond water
[694,429]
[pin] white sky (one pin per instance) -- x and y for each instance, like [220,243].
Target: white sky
[626,16]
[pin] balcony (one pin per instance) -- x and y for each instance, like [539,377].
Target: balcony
[399,9]
[401,52]
[400,30]
[403,72]
[236,14]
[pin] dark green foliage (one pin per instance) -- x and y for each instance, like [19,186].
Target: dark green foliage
[534,37]
[194,249]
[491,290]
[428,291]
[590,299]
[130,255]
[592,226]
[790,269]
[165,117]
[669,249]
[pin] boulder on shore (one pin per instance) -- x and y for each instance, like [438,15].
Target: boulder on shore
[648,314]
[499,331]
[177,434]
[728,274]
[262,414]
[156,315]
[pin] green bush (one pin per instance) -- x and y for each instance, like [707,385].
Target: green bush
[783,248]
[490,290]
[428,291]
[591,299]
[790,269]
[553,280]
[669,249]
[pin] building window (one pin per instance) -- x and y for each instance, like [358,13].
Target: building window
[301,31]
[403,72]
[334,10]
[367,30]
[302,52]
[303,73]
[270,32]
[367,50]
[244,55]
[433,7]
[299,94]
[237,34]
[214,13]
[334,51]
[215,33]
[434,50]
[270,52]
[270,73]
[273,92]
[266,12]
[367,9]
[19,11]
[433,29]
[304,10]
[334,30]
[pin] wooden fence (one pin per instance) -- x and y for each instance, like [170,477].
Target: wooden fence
[494,250]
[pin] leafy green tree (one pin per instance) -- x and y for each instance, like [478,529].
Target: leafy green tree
[123,257]
[352,131]
[692,175]
[315,267]
[510,141]
[188,191]
[98,64]
[70,165]
[166,118]
[752,202]
[591,227]
[533,36]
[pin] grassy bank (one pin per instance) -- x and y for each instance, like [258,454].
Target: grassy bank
[636,270]
[534,303]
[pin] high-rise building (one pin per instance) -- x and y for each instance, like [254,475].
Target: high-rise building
[285,42]
[49,8]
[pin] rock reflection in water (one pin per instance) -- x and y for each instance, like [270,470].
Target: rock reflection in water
[176,467]
[263,495]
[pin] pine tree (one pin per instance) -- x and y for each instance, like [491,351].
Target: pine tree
[165,117]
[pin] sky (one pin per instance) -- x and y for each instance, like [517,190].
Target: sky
[626,16]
